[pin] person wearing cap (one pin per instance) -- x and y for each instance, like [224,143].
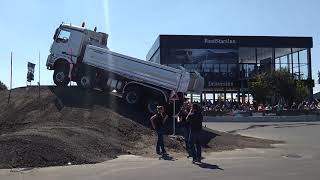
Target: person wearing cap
[195,118]
[157,121]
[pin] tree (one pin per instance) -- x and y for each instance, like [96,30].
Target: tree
[260,88]
[283,84]
[275,86]
[300,91]
[3,86]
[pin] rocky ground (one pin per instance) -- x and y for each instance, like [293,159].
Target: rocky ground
[70,125]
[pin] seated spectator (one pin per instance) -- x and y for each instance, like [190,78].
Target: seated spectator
[293,106]
[268,107]
[217,108]
[301,106]
[234,107]
[241,107]
[251,108]
[313,106]
[223,108]
[279,107]
[261,108]
[306,106]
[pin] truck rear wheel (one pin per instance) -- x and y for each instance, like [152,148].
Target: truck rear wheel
[132,96]
[85,82]
[61,76]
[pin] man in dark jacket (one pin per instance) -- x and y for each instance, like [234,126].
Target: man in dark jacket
[195,118]
[157,122]
[182,119]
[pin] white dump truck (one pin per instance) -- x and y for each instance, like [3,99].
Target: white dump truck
[81,55]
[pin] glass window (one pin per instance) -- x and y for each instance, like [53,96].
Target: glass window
[295,59]
[156,57]
[278,62]
[250,70]
[284,63]
[232,71]
[283,58]
[203,56]
[224,70]
[296,70]
[207,67]
[247,55]
[192,67]
[265,59]
[303,56]
[242,70]
[216,68]
[289,63]
[63,36]
[296,73]
[303,71]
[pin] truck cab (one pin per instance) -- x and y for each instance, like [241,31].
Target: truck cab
[67,50]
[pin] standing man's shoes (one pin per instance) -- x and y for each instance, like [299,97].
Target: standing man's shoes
[199,160]
[164,153]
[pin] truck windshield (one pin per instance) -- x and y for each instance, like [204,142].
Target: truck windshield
[63,36]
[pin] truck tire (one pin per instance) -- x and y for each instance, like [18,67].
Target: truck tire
[61,76]
[85,81]
[132,96]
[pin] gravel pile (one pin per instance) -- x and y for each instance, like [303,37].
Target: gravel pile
[70,125]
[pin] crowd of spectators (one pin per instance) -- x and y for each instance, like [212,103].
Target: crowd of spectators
[231,106]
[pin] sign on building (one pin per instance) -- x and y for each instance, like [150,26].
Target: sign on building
[30,74]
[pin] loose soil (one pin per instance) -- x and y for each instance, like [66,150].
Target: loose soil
[70,125]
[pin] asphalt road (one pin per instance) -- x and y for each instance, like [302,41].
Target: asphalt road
[298,159]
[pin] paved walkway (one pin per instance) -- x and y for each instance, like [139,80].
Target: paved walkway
[298,159]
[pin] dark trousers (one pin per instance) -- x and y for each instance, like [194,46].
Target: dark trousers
[186,132]
[160,143]
[195,145]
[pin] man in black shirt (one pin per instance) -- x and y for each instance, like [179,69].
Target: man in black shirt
[195,118]
[182,119]
[157,122]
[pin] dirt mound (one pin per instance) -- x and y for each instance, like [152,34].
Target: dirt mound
[55,130]
[72,125]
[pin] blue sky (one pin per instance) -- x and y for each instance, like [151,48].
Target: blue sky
[27,27]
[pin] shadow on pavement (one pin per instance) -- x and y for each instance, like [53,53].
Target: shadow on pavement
[208,166]
[166,157]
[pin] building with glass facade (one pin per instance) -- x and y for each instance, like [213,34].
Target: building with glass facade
[228,62]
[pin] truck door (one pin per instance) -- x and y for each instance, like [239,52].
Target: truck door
[60,45]
[68,43]
[75,44]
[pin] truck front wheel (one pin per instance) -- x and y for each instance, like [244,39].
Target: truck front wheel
[61,76]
